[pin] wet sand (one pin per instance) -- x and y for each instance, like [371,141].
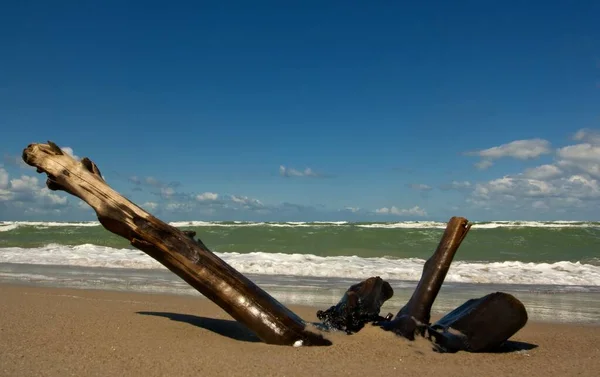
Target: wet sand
[64,332]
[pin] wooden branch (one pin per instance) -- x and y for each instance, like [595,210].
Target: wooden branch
[176,250]
[415,315]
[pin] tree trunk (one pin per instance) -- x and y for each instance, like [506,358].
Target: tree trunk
[191,260]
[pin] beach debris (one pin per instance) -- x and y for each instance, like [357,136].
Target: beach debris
[360,305]
[411,318]
[190,259]
[478,325]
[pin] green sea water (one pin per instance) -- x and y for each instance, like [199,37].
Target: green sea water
[525,242]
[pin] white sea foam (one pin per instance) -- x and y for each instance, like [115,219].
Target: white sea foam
[405,225]
[11,225]
[289,224]
[6,226]
[509,272]
[535,224]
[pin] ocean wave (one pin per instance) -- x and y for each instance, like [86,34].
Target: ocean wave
[404,225]
[6,226]
[507,272]
[233,224]
[535,224]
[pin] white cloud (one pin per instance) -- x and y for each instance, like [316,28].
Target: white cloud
[289,172]
[150,206]
[246,202]
[587,135]
[167,192]
[593,169]
[543,172]
[24,184]
[511,187]
[178,207]
[420,187]
[583,157]
[352,209]
[83,205]
[414,211]
[519,149]
[580,152]
[207,196]
[517,191]
[5,195]
[571,182]
[483,164]
[27,191]
[69,151]
[457,185]
[51,199]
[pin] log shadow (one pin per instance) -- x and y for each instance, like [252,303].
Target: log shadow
[513,346]
[228,328]
[510,346]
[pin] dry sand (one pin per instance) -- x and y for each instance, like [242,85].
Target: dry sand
[68,332]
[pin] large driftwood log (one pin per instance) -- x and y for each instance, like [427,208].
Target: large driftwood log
[479,325]
[360,305]
[176,250]
[415,315]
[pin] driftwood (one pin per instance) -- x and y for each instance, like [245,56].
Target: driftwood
[415,315]
[480,324]
[188,258]
[360,305]
[477,325]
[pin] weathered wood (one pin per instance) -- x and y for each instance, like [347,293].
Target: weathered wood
[415,315]
[479,325]
[189,259]
[360,305]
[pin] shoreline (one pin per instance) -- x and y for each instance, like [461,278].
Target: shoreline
[67,331]
[192,294]
[547,303]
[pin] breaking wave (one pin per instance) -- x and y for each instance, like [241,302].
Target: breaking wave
[506,272]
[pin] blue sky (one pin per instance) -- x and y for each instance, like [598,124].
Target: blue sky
[377,111]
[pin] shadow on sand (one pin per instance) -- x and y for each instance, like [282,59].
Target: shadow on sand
[237,331]
[513,346]
[229,328]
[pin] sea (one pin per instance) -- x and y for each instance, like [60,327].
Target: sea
[552,267]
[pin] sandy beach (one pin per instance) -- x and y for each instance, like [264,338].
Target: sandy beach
[65,332]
